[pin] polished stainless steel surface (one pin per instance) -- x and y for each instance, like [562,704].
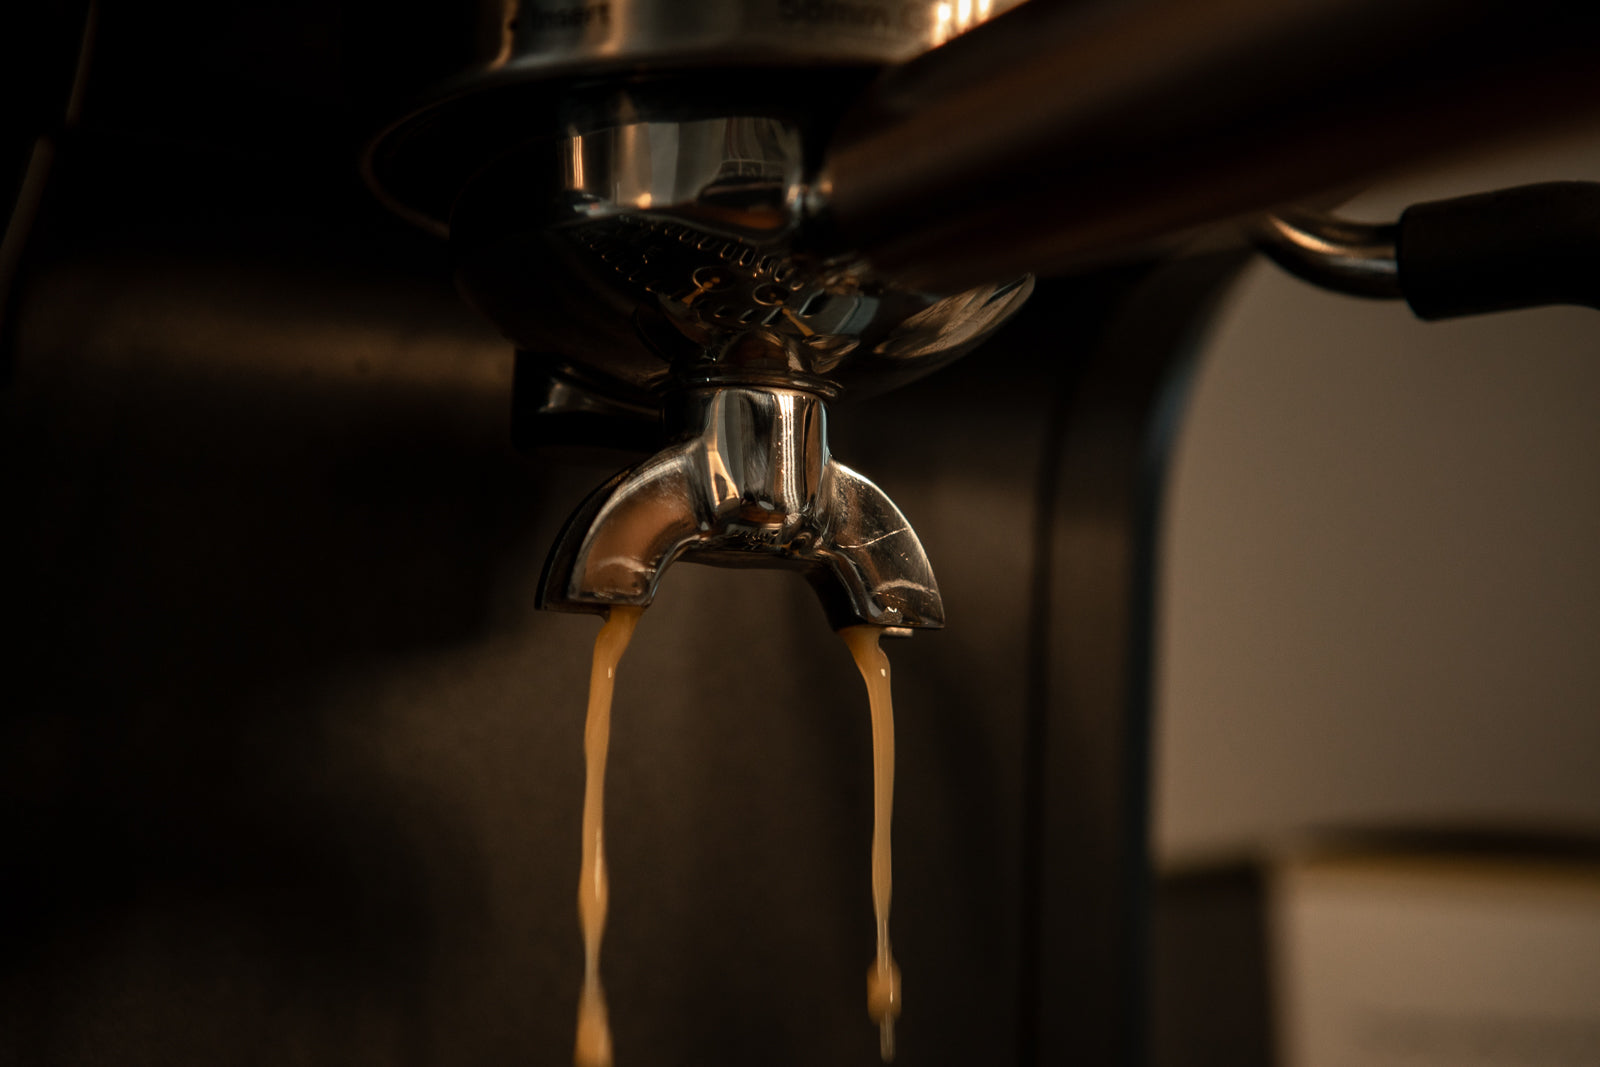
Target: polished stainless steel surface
[1357,258]
[654,259]
[495,50]
[536,35]
[752,484]
[643,254]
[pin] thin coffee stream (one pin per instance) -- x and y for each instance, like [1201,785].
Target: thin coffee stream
[883,978]
[594,884]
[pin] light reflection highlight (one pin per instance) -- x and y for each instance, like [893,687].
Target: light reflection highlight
[959,16]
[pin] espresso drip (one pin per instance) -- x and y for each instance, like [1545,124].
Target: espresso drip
[883,978]
[594,886]
[593,1046]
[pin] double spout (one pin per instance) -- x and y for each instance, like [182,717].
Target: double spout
[749,482]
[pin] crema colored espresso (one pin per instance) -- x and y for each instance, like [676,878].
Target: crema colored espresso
[883,977]
[594,884]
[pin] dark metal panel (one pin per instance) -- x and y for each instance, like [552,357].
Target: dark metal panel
[1089,734]
[292,767]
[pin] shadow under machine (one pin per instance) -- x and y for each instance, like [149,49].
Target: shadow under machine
[724,237]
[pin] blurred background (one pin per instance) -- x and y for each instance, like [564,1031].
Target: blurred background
[1377,739]
[292,768]
[1382,595]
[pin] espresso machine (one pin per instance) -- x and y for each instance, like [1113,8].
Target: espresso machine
[295,759]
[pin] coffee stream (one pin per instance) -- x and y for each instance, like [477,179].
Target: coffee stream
[594,884]
[883,978]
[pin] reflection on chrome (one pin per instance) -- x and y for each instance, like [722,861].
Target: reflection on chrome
[663,260]
[952,19]
[753,483]
[665,253]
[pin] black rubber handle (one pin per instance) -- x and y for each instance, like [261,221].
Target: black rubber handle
[1517,248]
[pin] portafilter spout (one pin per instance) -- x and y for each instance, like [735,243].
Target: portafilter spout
[751,483]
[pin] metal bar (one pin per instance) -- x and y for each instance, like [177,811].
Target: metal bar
[1059,136]
[1355,258]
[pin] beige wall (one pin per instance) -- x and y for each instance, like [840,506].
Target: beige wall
[1382,597]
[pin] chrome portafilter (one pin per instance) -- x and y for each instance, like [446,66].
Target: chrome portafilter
[656,257]
[631,191]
